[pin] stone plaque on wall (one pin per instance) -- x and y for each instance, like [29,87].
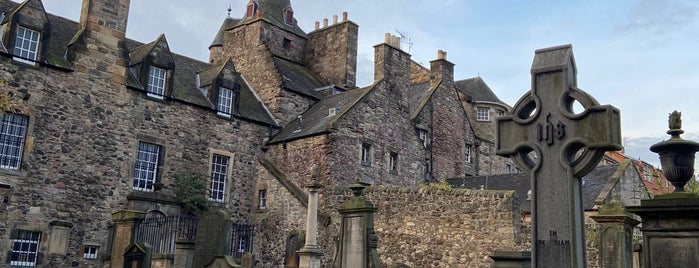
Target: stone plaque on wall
[674,252]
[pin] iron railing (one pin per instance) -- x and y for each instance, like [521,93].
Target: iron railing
[162,232]
[242,235]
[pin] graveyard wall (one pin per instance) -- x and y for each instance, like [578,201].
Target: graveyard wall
[430,227]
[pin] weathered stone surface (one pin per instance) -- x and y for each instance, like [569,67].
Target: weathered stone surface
[544,123]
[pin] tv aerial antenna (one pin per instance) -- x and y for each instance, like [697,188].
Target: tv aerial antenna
[405,39]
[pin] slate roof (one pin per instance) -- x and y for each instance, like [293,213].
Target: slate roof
[520,182]
[417,93]
[316,120]
[62,31]
[478,90]
[65,31]
[273,12]
[228,23]
[298,78]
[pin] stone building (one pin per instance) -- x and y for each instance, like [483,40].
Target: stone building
[101,123]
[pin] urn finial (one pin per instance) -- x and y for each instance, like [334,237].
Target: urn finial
[676,154]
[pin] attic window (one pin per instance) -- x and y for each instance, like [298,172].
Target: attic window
[251,10]
[289,16]
[333,111]
[26,45]
[225,101]
[156,82]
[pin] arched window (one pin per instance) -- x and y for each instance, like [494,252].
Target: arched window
[252,9]
[289,16]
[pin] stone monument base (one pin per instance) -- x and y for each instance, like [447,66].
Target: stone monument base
[670,225]
[512,259]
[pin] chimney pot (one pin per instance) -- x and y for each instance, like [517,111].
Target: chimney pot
[317,25]
[344,16]
[441,55]
[387,38]
[325,23]
[259,13]
[334,19]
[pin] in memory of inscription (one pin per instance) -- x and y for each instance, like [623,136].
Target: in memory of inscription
[674,252]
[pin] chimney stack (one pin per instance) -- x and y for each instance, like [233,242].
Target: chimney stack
[441,69]
[391,63]
[344,16]
[106,16]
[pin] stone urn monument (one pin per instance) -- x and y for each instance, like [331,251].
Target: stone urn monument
[676,154]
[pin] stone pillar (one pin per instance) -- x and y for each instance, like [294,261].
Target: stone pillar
[309,255]
[184,253]
[125,223]
[614,236]
[358,240]
[670,225]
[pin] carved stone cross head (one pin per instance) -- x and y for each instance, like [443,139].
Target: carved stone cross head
[556,145]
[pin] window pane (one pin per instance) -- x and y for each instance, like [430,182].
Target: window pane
[13,128]
[25,248]
[145,169]
[156,82]
[219,171]
[26,44]
[225,99]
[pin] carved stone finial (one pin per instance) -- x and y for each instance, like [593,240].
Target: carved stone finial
[314,171]
[675,124]
[358,187]
[675,121]
[314,178]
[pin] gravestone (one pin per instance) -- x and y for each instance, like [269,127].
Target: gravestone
[358,240]
[557,146]
[213,238]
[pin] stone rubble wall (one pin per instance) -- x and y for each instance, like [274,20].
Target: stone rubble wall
[428,227]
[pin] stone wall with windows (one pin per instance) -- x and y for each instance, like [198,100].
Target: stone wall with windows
[80,151]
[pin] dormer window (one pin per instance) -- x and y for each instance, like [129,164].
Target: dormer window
[228,100]
[333,111]
[289,16]
[225,101]
[156,82]
[26,45]
[251,10]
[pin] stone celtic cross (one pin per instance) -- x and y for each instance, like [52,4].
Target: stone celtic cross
[557,146]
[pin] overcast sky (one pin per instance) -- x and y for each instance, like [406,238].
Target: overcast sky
[640,56]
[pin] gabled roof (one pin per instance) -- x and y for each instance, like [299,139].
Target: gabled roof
[185,85]
[478,90]
[316,120]
[593,183]
[65,32]
[417,96]
[298,78]
[62,31]
[138,54]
